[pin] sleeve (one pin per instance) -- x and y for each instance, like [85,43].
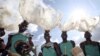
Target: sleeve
[57,49]
[73,43]
[42,48]
[82,45]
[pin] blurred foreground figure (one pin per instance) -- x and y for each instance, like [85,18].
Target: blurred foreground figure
[77,51]
[50,48]
[32,47]
[19,43]
[40,54]
[2,32]
[66,46]
[2,45]
[89,47]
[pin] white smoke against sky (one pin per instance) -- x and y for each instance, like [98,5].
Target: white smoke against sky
[89,24]
[32,28]
[67,26]
[9,15]
[80,21]
[39,13]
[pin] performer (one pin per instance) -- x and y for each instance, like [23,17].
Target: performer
[89,47]
[66,46]
[17,43]
[31,44]
[2,32]
[50,48]
[2,47]
[2,44]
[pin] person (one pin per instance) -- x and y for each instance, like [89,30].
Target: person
[31,44]
[2,32]
[50,48]
[77,51]
[2,47]
[19,41]
[2,44]
[40,54]
[89,47]
[22,28]
[66,46]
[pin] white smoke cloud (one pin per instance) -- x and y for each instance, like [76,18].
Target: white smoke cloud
[9,15]
[70,25]
[39,13]
[88,24]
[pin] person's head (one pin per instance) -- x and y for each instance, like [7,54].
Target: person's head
[22,48]
[40,54]
[23,26]
[87,35]
[64,35]
[47,36]
[2,32]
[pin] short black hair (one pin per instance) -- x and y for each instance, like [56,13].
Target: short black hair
[46,34]
[2,32]
[24,23]
[63,33]
[87,33]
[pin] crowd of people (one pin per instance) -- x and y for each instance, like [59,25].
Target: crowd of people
[21,45]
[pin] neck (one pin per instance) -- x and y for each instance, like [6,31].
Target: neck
[64,40]
[47,41]
[89,40]
[20,32]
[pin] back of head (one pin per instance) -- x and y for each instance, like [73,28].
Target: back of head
[22,48]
